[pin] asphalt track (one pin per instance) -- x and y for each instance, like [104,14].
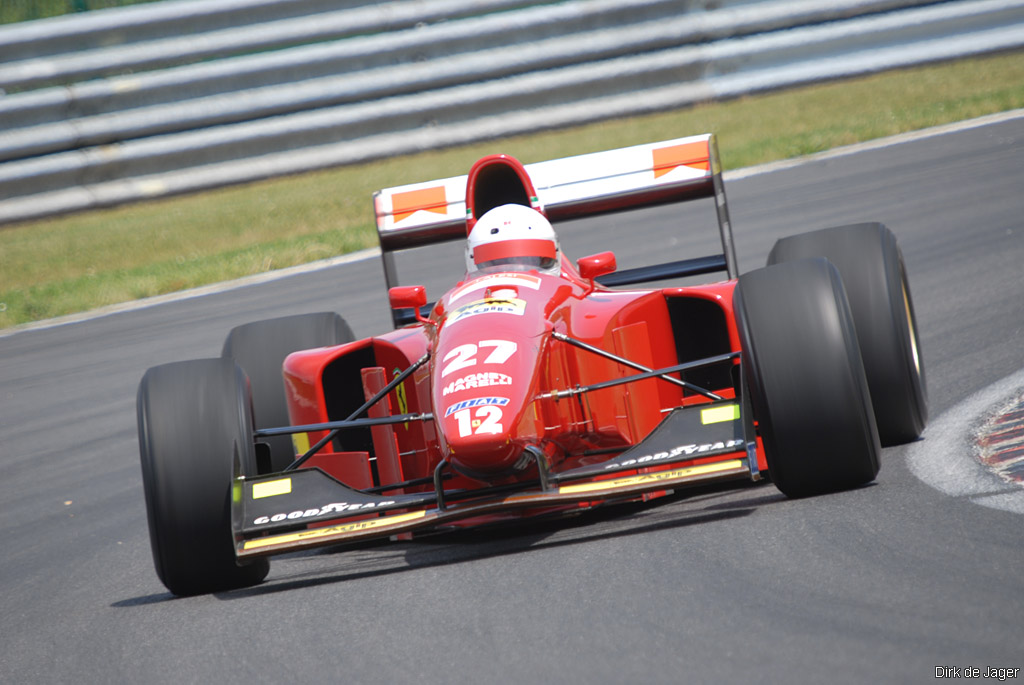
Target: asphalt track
[883,584]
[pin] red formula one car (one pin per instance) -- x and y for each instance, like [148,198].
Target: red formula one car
[532,386]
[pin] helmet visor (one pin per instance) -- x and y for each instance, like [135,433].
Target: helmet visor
[515,255]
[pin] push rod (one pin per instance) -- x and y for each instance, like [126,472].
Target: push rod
[650,373]
[341,425]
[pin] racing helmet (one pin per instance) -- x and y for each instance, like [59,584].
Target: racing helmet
[513,238]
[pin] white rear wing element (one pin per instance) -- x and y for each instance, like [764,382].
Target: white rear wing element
[615,180]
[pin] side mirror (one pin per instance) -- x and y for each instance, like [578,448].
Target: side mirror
[596,265]
[409,297]
[405,296]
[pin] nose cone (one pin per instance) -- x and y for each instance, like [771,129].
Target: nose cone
[485,371]
[482,411]
[480,444]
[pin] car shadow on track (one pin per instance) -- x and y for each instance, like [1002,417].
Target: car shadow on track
[692,507]
[462,546]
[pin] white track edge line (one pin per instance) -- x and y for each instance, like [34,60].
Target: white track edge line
[945,457]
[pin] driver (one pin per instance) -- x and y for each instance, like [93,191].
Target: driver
[513,238]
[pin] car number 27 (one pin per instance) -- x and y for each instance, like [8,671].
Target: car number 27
[464,356]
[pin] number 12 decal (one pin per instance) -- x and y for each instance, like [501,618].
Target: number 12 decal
[464,356]
[487,421]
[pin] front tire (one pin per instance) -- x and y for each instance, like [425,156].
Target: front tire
[260,349]
[875,277]
[195,437]
[806,379]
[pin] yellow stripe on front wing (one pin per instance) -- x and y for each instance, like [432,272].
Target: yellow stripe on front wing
[327,531]
[271,488]
[728,412]
[701,470]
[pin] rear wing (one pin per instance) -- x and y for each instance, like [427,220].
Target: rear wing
[677,170]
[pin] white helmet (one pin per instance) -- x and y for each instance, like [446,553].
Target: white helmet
[513,238]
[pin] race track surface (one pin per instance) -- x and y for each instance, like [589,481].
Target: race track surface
[883,584]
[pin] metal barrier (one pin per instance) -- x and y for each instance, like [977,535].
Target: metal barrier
[335,83]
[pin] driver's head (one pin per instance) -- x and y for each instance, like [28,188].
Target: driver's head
[513,238]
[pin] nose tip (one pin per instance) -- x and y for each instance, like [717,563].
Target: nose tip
[483,456]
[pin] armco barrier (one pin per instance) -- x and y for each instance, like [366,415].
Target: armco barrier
[410,82]
[357,70]
[167,33]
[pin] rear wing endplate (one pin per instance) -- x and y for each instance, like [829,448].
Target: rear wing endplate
[677,170]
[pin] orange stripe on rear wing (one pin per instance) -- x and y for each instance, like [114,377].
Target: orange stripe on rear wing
[694,155]
[571,187]
[406,204]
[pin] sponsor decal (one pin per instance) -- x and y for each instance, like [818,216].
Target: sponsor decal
[479,416]
[495,280]
[271,488]
[513,306]
[403,402]
[691,450]
[477,380]
[332,508]
[484,420]
[478,402]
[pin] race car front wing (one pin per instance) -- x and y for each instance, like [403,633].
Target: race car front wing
[307,508]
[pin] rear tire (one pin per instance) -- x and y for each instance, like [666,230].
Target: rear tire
[195,436]
[260,349]
[871,264]
[803,367]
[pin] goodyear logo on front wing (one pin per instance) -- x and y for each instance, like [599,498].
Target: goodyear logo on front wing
[489,306]
[682,451]
[332,508]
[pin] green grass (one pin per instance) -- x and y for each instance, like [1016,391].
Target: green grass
[12,11]
[71,264]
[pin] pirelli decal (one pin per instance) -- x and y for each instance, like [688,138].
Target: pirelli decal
[332,531]
[673,474]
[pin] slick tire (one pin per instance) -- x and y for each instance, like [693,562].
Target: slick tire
[260,349]
[807,385]
[875,277]
[195,436]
